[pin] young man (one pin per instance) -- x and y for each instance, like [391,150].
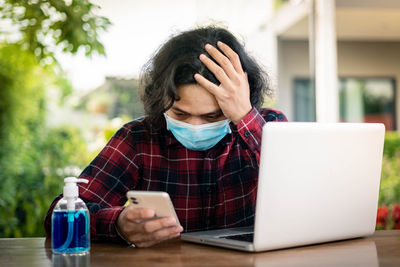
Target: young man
[199,141]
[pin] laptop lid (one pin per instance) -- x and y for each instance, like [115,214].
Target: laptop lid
[318,182]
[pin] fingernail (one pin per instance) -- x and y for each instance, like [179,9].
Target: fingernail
[208,46]
[202,56]
[219,43]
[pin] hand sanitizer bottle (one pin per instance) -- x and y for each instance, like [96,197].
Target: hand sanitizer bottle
[70,221]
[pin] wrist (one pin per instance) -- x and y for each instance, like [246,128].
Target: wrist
[118,228]
[237,119]
[121,235]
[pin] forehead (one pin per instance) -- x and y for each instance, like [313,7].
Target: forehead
[196,100]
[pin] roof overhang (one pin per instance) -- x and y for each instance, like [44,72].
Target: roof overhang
[360,20]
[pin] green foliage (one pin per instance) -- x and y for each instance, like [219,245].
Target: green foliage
[21,120]
[392,144]
[126,100]
[33,159]
[24,209]
[63,154]
[390,180]
[45,24]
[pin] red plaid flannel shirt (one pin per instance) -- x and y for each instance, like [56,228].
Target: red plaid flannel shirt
[210,189]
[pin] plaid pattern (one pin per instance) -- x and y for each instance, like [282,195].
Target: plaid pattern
[210,189]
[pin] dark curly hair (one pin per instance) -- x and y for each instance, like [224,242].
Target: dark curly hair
[176,62]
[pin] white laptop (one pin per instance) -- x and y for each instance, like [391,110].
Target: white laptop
[318,182]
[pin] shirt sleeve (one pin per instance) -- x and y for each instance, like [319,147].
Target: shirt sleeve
[250,127]
[111,174]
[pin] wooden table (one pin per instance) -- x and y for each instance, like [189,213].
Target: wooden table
[381,249]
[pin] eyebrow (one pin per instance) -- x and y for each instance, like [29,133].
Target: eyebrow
[216,112]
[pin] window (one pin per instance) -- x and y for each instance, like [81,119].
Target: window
[368,100]
[304,100]
[360,100]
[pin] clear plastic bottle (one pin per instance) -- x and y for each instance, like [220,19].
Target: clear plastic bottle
[71,221]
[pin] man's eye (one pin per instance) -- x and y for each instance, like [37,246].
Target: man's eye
[180,114]
[213,117]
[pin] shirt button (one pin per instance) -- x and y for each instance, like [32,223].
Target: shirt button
[247,133]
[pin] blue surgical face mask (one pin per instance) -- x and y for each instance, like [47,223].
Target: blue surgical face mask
[198,137]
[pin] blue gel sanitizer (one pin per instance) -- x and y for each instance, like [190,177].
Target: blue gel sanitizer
[71,221]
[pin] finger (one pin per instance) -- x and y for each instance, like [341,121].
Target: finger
[149,226]
[232,55]
[211,87]
[223,61]
[137,214]
[165,233]
[153,225]
[160,235]
[154,242]
[156,236]
[215,69]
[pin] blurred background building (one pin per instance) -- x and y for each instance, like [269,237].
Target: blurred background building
[328,60]
[338,60]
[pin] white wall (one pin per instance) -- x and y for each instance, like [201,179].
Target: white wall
[357,59]
[292,62]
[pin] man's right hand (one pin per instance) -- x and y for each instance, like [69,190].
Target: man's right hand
[140,227]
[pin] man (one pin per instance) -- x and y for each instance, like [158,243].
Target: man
[199,141]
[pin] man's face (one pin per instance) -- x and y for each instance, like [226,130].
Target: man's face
[196,106]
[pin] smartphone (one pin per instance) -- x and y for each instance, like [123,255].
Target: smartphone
[158,201]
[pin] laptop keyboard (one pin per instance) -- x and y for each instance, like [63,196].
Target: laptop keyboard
[241,237]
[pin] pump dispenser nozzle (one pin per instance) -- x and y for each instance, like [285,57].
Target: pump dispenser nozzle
[70,191]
